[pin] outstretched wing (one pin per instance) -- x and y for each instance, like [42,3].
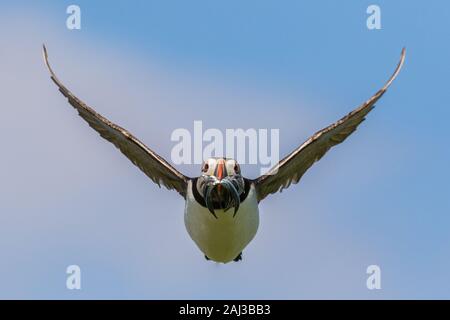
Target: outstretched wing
[155,167]
[291,168]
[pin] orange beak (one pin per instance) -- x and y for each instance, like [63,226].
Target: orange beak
[220,172]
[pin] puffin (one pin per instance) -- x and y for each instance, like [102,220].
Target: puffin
[221,212]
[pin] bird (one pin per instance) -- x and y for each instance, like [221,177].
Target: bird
[221,212]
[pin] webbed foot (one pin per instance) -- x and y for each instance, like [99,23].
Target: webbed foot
[238,258]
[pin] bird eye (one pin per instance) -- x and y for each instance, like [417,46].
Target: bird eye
[205,167]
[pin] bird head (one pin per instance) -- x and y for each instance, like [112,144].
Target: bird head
[221,184]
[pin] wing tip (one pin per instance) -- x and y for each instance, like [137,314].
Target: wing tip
[403,51]
[45,54]
[397,69]
[47,63]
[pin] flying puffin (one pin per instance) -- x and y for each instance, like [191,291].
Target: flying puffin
[221,205]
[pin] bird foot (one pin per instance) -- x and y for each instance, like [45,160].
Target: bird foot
[238,258]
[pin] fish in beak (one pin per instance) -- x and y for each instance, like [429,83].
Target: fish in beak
[222,190]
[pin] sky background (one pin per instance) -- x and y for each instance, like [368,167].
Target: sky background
[68,197]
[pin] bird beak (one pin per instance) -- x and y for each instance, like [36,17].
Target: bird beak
[220,173]
[220,170]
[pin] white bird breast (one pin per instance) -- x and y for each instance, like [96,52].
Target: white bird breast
[222,239]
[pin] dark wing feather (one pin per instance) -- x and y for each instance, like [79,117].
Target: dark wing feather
[291,168]
[155,167]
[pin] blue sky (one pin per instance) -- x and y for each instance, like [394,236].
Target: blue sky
[68,197]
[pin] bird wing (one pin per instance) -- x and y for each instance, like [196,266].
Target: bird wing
[292,167]
[154,166]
